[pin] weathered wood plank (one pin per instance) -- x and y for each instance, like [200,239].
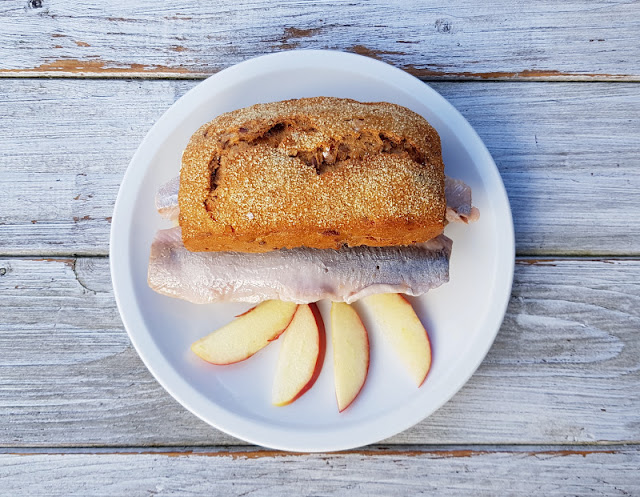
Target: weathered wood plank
[567,153]
[460,472]
[551,39]
[564,369]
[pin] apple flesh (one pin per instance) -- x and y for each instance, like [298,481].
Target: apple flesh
[350,353]
[247,334]
[403,330]
[301,355]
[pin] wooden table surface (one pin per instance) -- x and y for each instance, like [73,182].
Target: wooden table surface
[552,87]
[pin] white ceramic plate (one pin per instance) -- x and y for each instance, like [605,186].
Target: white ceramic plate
[462,316]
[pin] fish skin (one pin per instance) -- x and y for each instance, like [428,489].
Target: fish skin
[459,208]
[457,193]
[300,275]
[167,199]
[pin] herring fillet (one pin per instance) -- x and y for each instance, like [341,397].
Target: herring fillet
[167,199]
[457,194]
[300,275]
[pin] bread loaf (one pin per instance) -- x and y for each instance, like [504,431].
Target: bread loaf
[316,172]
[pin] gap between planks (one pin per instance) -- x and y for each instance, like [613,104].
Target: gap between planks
[548,77]
[521,259]
[255,452]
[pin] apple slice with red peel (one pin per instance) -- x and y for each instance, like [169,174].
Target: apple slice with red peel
[301,355]
[350,353]
[247,334]
[403,330]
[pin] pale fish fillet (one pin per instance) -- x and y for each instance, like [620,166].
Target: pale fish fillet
[457,193]
[167,199]
[299,275]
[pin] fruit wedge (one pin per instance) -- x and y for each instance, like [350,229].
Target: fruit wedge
[350,353]
[301,355]
[403,330]
[247,334]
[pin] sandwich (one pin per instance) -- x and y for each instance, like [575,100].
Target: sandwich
[308,199]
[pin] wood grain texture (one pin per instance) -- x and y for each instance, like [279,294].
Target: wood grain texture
[567,153]
[564,369]
[550,39]
[534,471]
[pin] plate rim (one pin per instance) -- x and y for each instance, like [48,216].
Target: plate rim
[260,432]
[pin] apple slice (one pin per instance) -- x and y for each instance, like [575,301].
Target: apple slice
[350,353]
[301,355]
[403,330]
[247,334]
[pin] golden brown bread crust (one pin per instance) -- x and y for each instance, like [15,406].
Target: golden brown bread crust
[318,172]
